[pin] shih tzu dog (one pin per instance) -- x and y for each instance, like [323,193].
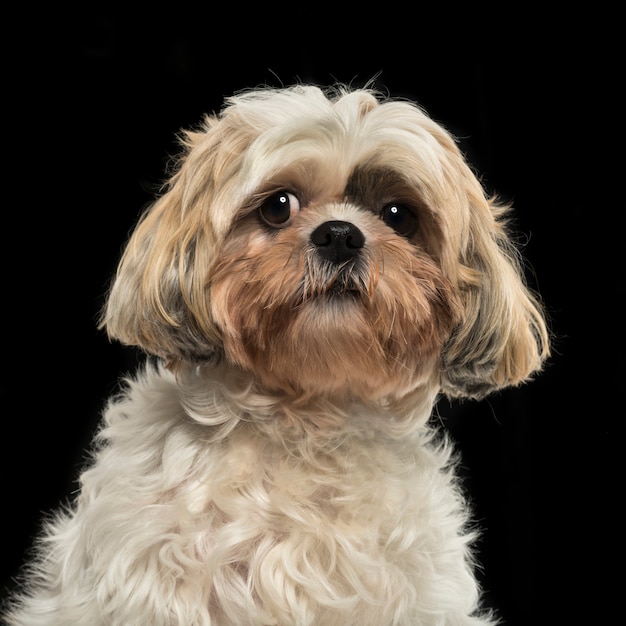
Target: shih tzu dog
[321,267]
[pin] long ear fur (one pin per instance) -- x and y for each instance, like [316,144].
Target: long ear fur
[502,338]
[158,298]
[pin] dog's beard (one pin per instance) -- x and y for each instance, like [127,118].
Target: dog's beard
[367,327]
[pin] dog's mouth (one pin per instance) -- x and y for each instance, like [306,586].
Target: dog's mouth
[343,289]
[343,285]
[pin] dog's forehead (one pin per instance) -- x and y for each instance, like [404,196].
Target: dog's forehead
[341,168]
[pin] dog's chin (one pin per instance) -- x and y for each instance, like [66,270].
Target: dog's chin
[328,345]
[356,335]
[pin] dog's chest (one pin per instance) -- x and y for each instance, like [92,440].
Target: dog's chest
[254,488]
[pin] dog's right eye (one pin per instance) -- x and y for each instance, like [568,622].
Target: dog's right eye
[278,210]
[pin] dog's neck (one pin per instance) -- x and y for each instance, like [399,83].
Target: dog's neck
[225,397]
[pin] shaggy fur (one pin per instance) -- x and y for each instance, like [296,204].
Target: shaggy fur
[321,266]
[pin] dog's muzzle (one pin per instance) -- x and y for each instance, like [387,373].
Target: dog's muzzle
[337,241]
[340,271]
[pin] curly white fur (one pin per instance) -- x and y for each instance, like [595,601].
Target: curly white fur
[278,466]
[191,516]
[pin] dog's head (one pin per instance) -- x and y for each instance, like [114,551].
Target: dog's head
[329,242]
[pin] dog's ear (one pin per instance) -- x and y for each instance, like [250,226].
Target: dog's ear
[502,337]
[158,298]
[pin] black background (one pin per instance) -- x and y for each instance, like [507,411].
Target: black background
[92,104]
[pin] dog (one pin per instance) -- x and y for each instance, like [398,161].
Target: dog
[321,266]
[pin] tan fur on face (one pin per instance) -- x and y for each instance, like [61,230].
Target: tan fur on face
[281,319]
[202,278]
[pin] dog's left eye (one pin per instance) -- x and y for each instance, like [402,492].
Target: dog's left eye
[278,209]
[400,218]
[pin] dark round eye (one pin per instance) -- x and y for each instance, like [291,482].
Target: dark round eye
[400,218]
[278,210]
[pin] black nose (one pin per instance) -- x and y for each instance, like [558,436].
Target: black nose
[337,241]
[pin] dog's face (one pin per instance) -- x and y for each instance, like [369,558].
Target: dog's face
[336,245]
[327,281]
